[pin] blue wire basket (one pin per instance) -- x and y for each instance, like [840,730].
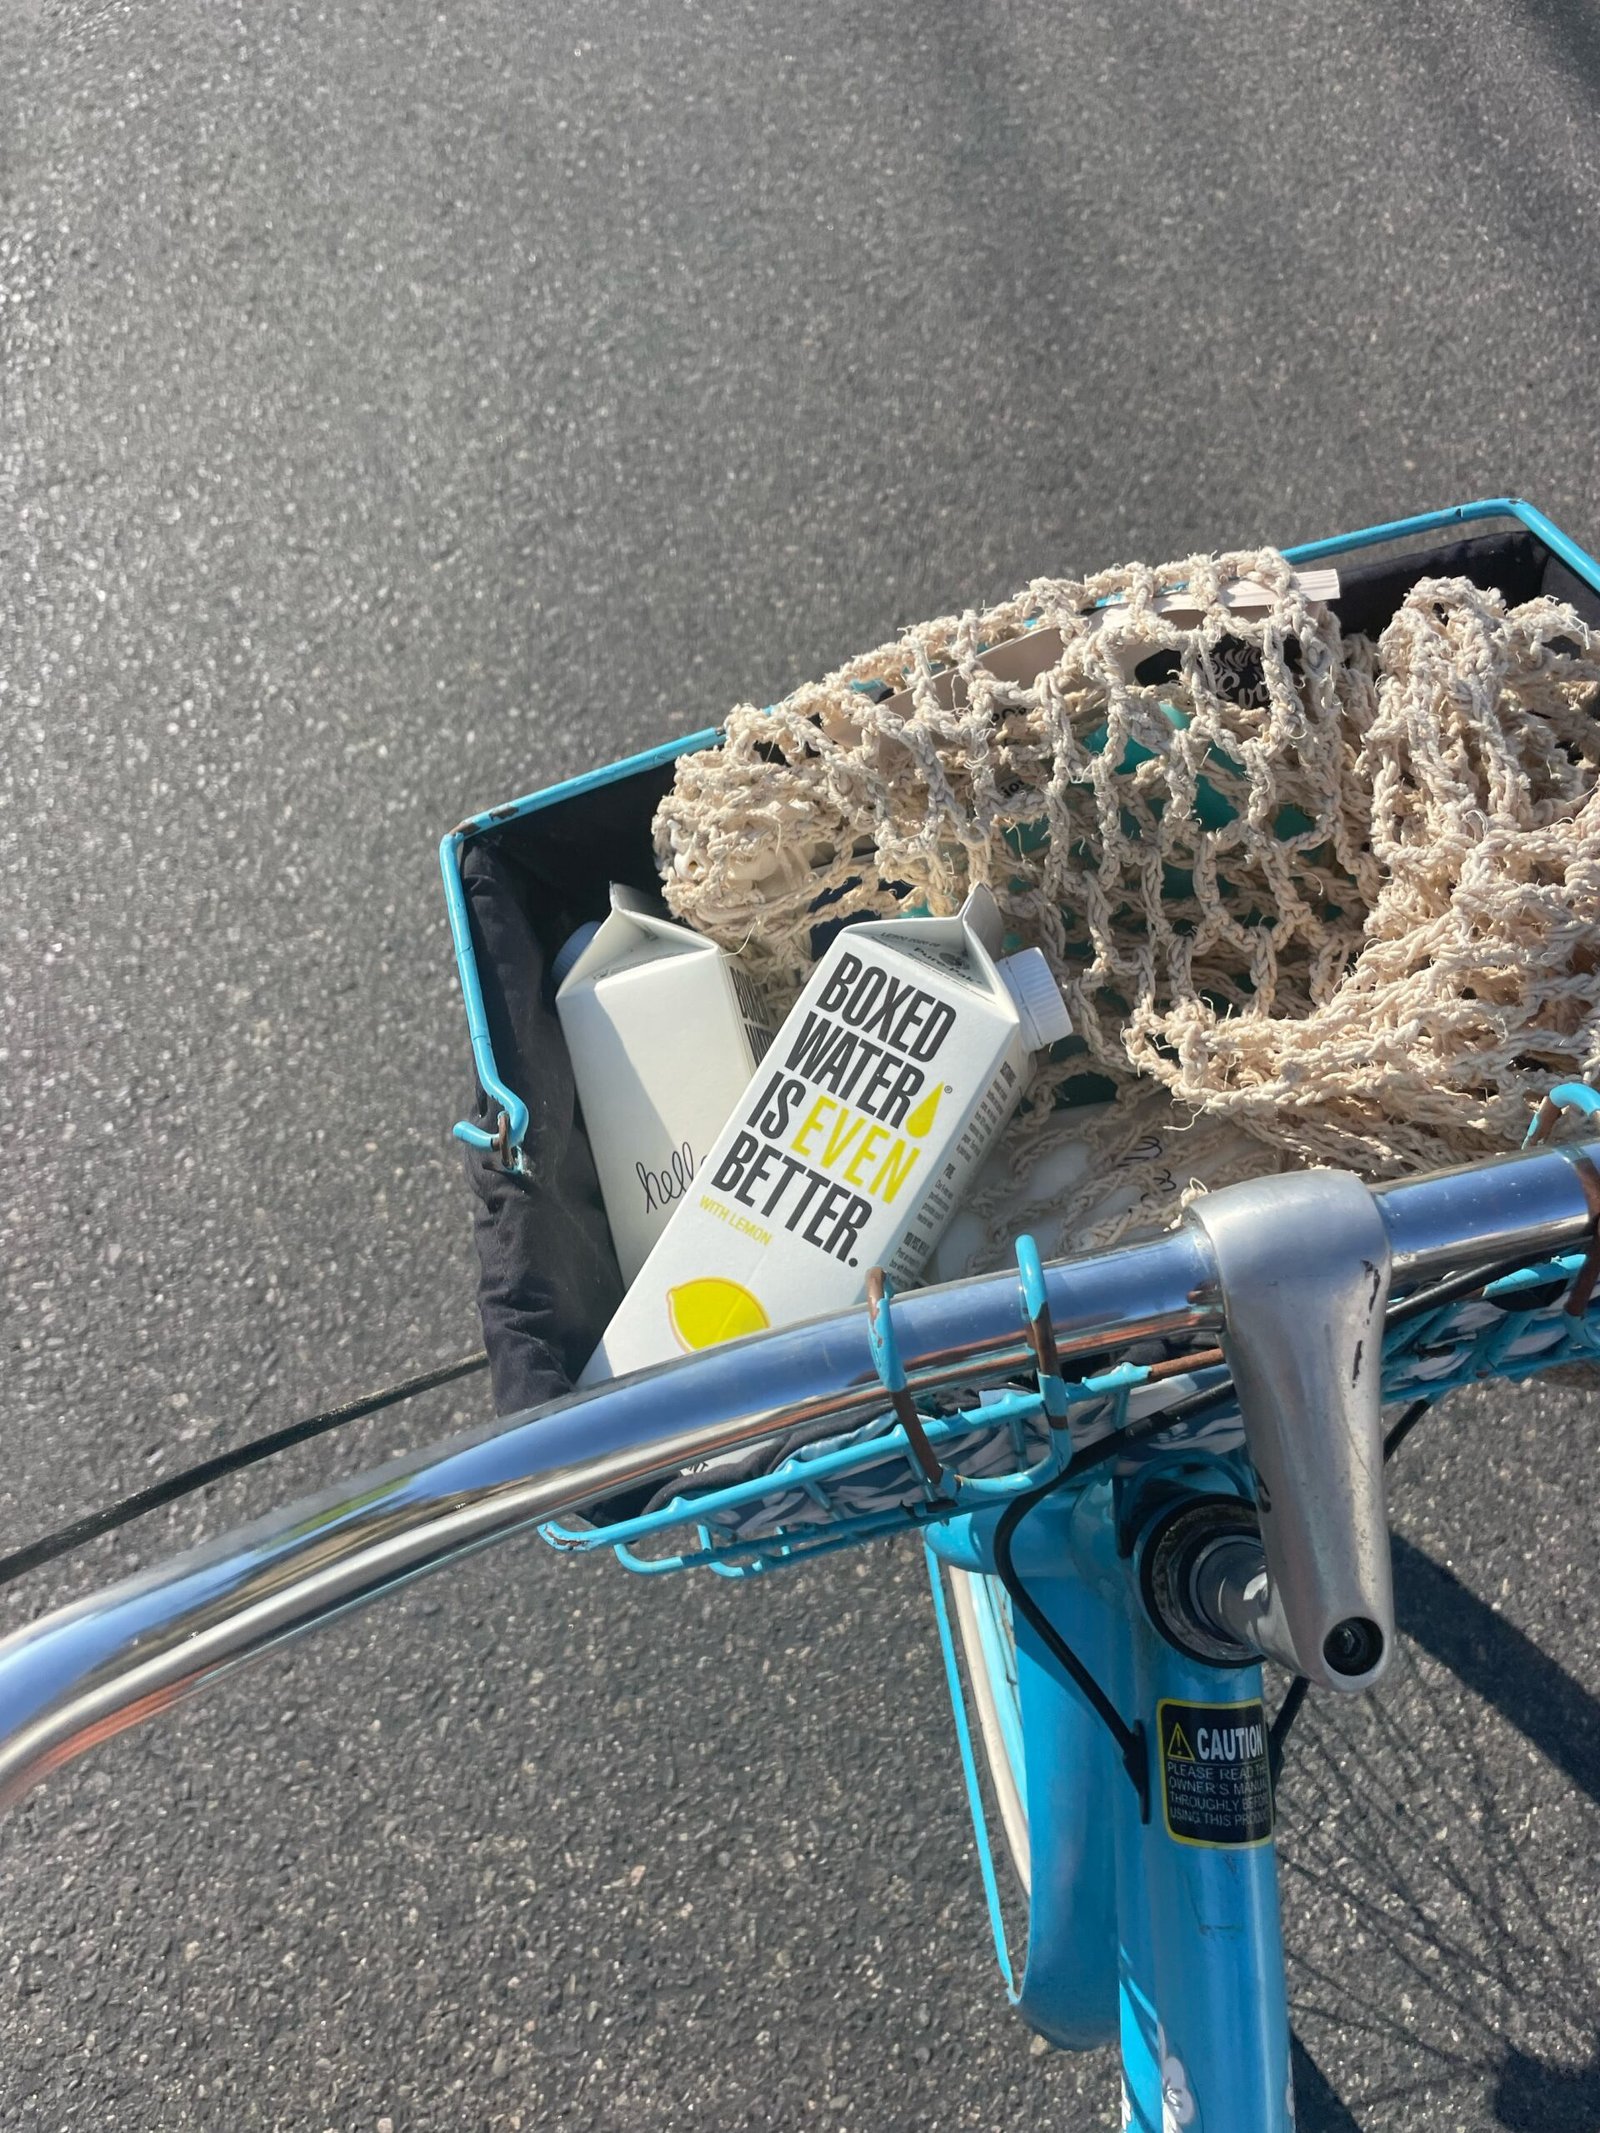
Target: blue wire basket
[839,1490]
[917,1462]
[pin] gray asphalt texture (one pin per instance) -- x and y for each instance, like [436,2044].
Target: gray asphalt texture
[406,406]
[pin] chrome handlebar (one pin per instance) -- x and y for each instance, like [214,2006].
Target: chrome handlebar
[91,1669]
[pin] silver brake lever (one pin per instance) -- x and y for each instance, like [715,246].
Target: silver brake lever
[1303,1265]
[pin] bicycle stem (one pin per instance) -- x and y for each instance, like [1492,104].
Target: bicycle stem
[1304,1267]
[89,1670]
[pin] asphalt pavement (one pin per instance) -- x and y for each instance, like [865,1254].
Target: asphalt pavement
[403,406]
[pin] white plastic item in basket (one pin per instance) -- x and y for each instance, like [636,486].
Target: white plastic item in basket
[901,1061]
[1095,1176]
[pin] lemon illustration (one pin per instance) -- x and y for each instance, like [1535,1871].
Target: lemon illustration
[710,1310]
[921,1119]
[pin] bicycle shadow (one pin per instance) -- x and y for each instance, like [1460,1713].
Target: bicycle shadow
[1449,1865]
[1492,1656]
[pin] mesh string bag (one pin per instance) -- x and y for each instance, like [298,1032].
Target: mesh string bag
[1338,900]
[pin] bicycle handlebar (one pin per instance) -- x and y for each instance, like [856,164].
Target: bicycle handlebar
[89,1670]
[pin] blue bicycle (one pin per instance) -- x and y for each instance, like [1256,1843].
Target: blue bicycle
[1137,1476]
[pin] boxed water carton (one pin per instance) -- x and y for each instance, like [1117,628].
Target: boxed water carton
[904,1056]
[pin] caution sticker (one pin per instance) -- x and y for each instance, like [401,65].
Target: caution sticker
[1216,1788]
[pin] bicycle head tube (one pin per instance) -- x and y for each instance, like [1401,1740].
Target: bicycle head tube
[1302,1273]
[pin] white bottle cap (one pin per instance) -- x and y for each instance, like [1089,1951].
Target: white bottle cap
[1040,1007]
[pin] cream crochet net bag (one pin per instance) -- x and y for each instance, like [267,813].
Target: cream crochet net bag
[1309,899]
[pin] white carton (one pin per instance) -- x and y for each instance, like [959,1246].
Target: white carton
[664,1032]
[900,1062]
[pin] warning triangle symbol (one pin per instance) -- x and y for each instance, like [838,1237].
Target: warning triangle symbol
[1178,1749]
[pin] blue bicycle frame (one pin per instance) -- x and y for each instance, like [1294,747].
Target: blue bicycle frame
[1137,1936]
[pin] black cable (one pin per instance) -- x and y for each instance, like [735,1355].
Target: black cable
[1403,1428]
[1288,1712]
[1300,1688]
[1452,1289]
[1130,1740]
[94,1523]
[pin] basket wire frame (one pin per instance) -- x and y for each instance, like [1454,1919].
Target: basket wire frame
[854,1486]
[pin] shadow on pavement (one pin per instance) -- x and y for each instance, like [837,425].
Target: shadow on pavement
[1493,1658]
[1442,1884]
